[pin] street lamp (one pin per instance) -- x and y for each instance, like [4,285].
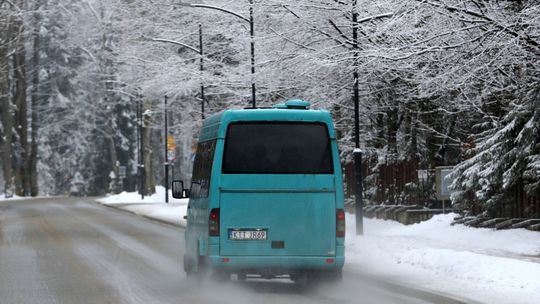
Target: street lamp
[166,152]
[201,65]
[252,35]
[140,145]
[357,154]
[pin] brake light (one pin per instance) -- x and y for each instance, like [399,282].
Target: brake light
[213,222]
[340,223]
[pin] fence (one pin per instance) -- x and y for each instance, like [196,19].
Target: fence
[388,183]
[523,206]
[402,183]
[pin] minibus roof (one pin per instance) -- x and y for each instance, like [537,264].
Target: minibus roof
[215,126]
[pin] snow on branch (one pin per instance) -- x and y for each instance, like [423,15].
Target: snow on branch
[220,9]
[483,16]
[177,43]
[317,29]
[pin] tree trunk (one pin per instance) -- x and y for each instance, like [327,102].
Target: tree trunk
[411,134]
[428,118]
[442,155]
[22,181]
[34,189]
[150,183]
[379,130]
[5,109]
[393,126]
[113,156]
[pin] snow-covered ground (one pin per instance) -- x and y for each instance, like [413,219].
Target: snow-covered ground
[495,267]
[480,264]
[15,197]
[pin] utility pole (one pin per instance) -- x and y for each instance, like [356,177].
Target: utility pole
[251,22]
[200,51]
[137,183]
[201,69]
[359,204]
[141,146]
[166,155]
[252,36]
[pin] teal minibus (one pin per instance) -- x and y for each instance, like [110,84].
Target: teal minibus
[266,196]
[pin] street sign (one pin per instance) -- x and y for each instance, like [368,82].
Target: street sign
[122,171]
[171,148]
[171,144]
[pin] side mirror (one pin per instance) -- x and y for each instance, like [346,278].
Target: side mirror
[178,190]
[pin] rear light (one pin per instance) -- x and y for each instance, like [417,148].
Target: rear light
[213,222]
[340,223]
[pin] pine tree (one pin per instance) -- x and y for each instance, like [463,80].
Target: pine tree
[505,157]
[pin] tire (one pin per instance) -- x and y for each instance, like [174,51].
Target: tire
[202,265]
[220,276]
[196,273]
[312,279]
[188,266]
[329,277]
[335,276]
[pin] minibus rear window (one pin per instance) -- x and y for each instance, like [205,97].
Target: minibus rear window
[277,148]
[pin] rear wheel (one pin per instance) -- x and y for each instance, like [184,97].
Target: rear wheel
[334,276]
[309,279]
[220,275]
[188,266]
[196,271]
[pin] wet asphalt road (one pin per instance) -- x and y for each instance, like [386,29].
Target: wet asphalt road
[73,250]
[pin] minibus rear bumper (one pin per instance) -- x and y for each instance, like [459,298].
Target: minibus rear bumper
[233,263]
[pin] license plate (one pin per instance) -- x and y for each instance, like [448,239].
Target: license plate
[247,234]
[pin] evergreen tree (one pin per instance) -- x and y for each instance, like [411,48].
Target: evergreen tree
[505,157]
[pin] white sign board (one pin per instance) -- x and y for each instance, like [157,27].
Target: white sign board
[443,182]
[171,155]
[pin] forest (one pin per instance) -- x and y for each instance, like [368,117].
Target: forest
[441,83]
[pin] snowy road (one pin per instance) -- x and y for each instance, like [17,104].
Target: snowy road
[76,251]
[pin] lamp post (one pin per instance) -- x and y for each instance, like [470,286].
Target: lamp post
[252,38]
[201,68]
[141,169]
[357,154]
[166,153]
[201,64]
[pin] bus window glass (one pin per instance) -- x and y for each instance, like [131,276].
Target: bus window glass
[277,148]
[202,169]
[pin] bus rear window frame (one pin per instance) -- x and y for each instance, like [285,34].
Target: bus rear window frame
[259,122]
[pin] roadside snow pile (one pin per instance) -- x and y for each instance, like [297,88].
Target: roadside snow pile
[14,197]
[152,206]
[481,264]
[134,197]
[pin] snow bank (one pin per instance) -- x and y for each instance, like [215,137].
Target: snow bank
[480,264]
[16,197]
[152,206]
[134,197]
